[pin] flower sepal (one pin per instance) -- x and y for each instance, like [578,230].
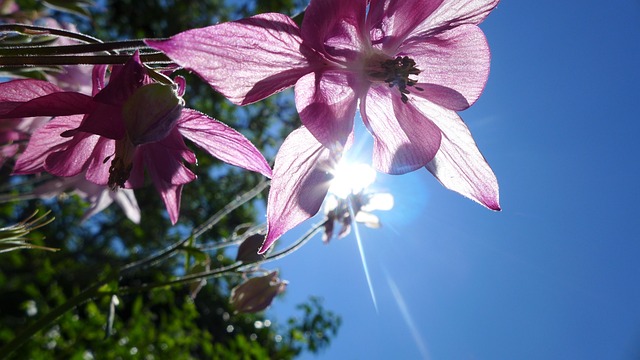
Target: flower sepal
[151,112]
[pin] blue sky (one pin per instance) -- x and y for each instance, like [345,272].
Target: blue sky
[555,275]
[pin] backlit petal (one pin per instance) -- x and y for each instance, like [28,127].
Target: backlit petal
[246,60]
[74,158]
[126,199]
[459,165]
[163,161]
[299,185]
[221,141]
[404,139]
[107,117]
[100,161]
[25,90]
[326,102]
[391,21]
[43,142]
[334,27]
[54,104]
[452,13]
[454,65]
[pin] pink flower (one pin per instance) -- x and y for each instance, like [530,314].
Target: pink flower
[408,66]
[127,126]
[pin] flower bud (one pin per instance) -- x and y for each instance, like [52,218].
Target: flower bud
[257,293]
[248,250]
[151,113]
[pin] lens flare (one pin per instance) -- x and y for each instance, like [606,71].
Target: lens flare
[351,178]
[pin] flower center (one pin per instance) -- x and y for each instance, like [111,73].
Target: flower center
[396,72]
[122,163]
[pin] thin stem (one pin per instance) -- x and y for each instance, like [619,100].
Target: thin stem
[154,58]
[226,269]
[73,49]
[41,30]
[50,317]
[208,224]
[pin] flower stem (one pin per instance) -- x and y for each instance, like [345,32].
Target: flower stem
[223,270]
[73,49]
[154,58]
[27,29]
[208,224]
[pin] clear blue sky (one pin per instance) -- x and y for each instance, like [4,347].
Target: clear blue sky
[556,274]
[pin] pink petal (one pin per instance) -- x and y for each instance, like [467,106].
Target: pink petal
[246,60]
[452,13]
[97,167]
[123,82]
[404,139]
[454,66]
[43,142]
[136,179]
[126,199]
[25,90]
[334,27]
[99,197]
[221,141]
[459,165]
[171,195]
[326,102]
[299,185]
[54,104]
[106,119]
[73,159]
[390,22]
[26,98]
[163,161]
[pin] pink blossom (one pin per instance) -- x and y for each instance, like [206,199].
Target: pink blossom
[408,66]
[127,126]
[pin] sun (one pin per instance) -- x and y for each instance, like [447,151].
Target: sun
[351,178]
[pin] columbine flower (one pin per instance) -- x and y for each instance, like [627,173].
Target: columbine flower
[408,66]
[129,125]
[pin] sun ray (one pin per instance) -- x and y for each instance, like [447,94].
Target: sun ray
[408,319]
[356,233]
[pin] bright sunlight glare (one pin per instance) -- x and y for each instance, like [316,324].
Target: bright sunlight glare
[351,178]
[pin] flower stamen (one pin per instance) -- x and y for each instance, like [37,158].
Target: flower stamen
[122,164]
[396,72]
